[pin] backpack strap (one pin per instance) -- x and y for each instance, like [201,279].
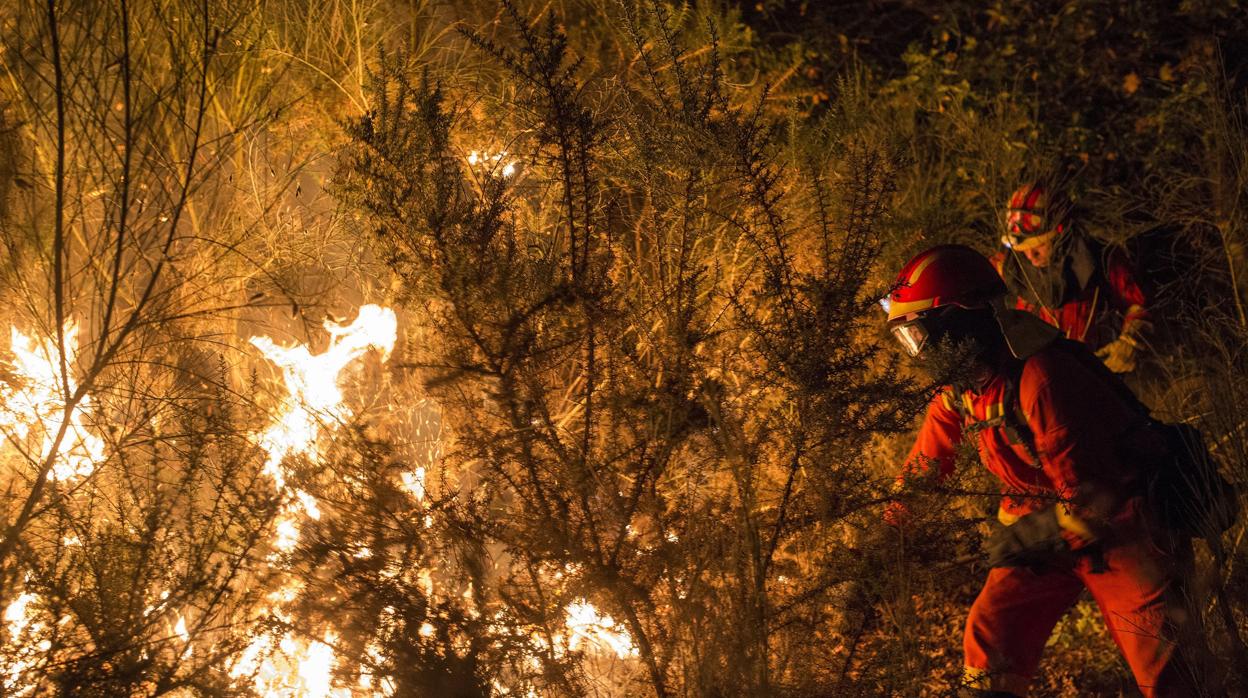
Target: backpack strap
[1011,418]
[1014,419]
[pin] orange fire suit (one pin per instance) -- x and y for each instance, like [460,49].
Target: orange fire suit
[1098,287]
[1079,425]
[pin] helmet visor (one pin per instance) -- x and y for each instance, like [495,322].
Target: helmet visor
[912,336]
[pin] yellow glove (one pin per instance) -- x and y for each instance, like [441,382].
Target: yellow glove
[1119,355]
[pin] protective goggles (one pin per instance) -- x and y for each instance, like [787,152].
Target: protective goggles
[1022,243]
[915,332]
[1025,229]
[912,336]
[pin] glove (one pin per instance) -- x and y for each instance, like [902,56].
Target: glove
[1032,541]
[1119,355]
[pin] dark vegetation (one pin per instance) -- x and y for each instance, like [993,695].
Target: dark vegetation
[635,249]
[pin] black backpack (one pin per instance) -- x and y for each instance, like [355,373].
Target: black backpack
[1186,490]
[1182,486]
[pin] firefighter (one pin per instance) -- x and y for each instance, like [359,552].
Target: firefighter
[1053,425]
[1087,291]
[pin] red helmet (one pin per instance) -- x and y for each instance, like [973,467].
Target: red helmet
[1033,218]
[944,276]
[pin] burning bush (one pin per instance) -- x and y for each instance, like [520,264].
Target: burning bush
[481,349]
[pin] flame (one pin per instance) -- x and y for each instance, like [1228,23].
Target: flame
[40,401]
[590,628]
[287,532]
[184,636]
[314,399]
[17,615]
[493,161]
[288,667]
[384,687]
[317,666]
[414,482]
[23,626]
[34,407]
[312,383]
[282,665]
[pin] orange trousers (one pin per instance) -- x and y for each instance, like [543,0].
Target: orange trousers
[1140,595]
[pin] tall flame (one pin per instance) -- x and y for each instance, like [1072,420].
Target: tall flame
[33,407]
[39,401]
[312,382]
[283,665]
[314,400]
